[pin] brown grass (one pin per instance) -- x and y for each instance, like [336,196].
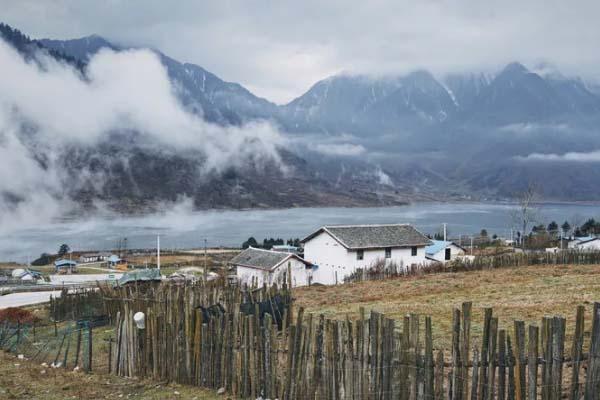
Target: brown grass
[525,293]
[23,379]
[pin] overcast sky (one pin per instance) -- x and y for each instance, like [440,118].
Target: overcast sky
[278,49]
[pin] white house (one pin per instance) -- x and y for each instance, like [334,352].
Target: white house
[586,244]
[338,251]
[259,266]
[442,251]
[574,242]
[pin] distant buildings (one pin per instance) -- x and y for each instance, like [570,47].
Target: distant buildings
[93,257]
[259,266]
[286,248]
[442,251]
[585,243]
[64,266]
[339,251]
[26,274]
[113,261]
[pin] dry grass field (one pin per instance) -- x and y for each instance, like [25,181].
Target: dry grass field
[526,293]
[23,379]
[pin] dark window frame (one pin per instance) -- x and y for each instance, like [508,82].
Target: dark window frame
[360,255]
[388,252]
[414,251]
[447,253]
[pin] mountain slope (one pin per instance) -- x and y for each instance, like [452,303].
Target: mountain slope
[217,100]
[463,135]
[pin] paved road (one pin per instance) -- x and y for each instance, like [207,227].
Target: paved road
[25,299]
[83,278]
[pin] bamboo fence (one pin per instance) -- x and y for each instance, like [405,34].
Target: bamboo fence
[370,357]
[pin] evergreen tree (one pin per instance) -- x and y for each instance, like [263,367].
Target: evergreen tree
[63,250]
[566,228]
[251,242]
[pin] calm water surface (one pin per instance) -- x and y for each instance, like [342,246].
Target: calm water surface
[188,229]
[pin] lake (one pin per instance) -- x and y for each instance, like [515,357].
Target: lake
[184,228]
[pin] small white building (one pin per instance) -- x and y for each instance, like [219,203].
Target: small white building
[259,266]
[339,251]
[589,244]
[576,241]
[443,251]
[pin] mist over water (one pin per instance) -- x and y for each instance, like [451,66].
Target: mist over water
[181,227]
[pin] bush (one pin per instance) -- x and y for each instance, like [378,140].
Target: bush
[15,315]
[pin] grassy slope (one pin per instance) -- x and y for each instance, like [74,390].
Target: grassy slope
[526,293]
[22,379]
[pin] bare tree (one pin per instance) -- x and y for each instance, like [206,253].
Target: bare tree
[527,211]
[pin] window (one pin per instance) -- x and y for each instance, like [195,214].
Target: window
[447,254]
[360,254]
[413,251]
[388,253]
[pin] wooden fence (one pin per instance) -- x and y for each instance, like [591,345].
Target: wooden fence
[73,304]
[370,357]
[506,260]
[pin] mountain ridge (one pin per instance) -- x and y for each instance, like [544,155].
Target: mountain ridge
[454,136]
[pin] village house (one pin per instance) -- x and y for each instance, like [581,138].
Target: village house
[113,261]
[64,266]
[338,251]
[92,257]
[259,266]
[586,243]
[443,251]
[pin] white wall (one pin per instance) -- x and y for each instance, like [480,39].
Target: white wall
[455,251]
[589,246]
[335,262]
[300,274]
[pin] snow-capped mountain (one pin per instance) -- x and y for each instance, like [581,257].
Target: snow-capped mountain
[463,134]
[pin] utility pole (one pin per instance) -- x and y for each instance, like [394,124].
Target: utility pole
[471,245]
[444,231]
[158,252]
[205,263]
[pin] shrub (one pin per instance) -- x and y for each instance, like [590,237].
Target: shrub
[15,315]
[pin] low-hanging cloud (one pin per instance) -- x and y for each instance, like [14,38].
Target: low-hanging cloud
[47,107]
[339,149]
[532,127]
[279,49]
[592,156]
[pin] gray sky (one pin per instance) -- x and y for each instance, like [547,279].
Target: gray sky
[278,49]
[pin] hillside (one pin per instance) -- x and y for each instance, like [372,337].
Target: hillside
[523,293]
[413,125]
[349,140]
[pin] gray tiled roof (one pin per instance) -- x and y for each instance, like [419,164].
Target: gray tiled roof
[259,258]
[375,236]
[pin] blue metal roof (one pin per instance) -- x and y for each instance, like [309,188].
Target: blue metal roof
[114,259]
[150,274]
[584,238]
[64,263]
[437,246]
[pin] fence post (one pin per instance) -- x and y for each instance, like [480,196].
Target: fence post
[576,352]
[558,349]
[89,349]
[466,346]
[592,384]
[485,343]
[520,388]
[532,359]
[501,364]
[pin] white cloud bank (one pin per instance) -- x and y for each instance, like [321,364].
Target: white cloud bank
[339,149]
[47,106]
[592,156]
[279,49]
